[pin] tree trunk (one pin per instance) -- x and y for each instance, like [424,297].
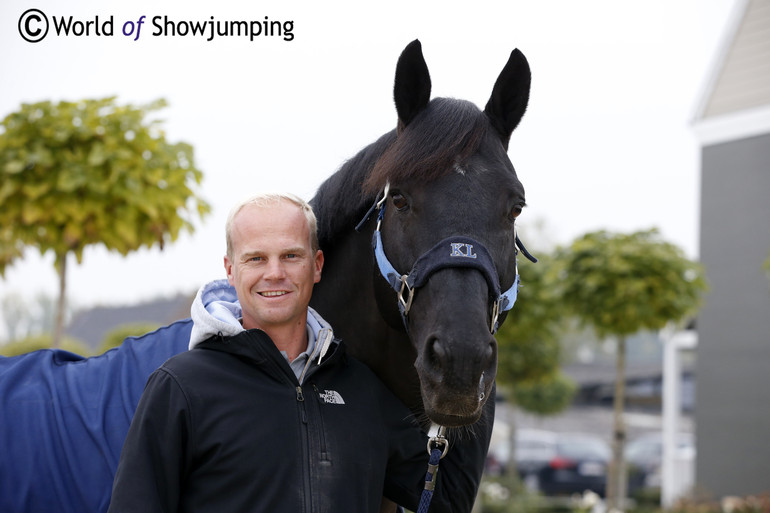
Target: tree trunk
[512,473]
[616,478]
[58,328]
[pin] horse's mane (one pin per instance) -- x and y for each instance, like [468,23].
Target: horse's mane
[438,139]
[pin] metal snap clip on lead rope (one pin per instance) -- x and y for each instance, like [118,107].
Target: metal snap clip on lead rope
[439,440]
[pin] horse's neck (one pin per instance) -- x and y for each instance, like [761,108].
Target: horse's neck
[345,297]
[339,203]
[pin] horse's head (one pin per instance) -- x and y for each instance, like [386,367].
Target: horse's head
[451,197]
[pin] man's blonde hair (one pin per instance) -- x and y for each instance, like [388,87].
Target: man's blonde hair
[268,199]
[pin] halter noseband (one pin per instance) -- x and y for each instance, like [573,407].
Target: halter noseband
[455,251]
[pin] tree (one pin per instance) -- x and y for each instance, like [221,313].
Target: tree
[26,318]
[620,284]
[15,310]
[528,343]
[529,349]
[75,174]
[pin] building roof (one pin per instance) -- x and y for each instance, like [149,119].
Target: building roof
[742,71]
[90,326]
[736,98]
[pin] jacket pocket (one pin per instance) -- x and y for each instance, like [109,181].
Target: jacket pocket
[325,457]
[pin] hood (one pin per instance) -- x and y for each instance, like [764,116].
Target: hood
[216,311]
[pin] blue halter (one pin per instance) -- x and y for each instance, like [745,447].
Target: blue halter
[456,251]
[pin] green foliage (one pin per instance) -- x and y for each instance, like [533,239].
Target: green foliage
[621,284]
[529,349]
[529,338]
[36,342]
[546,396]
[92,172]
[116,336]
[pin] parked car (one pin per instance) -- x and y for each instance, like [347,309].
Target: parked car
[644,457]
[554,463]
[533,449]
[579,462]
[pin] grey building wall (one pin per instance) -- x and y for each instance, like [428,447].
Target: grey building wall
[733,382]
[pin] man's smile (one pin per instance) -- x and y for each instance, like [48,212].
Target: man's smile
[273,293]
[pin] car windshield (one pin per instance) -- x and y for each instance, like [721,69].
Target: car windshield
[651,446]
[583,448]
[644,449]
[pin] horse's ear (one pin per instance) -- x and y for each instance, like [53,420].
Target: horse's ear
[510,96]
[412,86]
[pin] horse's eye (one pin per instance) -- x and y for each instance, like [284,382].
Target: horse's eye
[515,212]
[399,201]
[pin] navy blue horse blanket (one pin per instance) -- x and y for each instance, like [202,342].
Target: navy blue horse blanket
[65,417]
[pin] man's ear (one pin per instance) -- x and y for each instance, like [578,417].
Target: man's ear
[319,263]
[229,269]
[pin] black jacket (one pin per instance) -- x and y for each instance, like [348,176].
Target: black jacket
[227,427]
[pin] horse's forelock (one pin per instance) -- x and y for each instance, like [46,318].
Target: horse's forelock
[438,140]
[441,137]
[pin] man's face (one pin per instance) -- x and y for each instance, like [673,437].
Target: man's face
[272,266]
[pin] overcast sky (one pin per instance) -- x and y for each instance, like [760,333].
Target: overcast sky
[606,142]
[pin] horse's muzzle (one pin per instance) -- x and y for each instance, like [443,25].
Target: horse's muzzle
[455,383]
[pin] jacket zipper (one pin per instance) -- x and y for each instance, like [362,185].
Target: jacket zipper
[305,449]
[305,428]
[301,399]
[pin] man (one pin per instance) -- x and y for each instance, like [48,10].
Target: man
[266,412]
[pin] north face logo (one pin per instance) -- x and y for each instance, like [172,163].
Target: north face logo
[331,397]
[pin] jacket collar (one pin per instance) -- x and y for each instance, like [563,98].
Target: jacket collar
[217,311]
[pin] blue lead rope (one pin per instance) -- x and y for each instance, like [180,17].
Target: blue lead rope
[427,492]
[437,447]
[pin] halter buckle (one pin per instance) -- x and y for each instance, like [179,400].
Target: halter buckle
[495,315]
[406,304]
[378,204]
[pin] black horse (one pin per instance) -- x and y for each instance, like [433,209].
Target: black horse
[450,190]
[450,187]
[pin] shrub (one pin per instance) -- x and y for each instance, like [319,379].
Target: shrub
[35,342]
[116,337]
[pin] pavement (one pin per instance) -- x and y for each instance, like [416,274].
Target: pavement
[588,419]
